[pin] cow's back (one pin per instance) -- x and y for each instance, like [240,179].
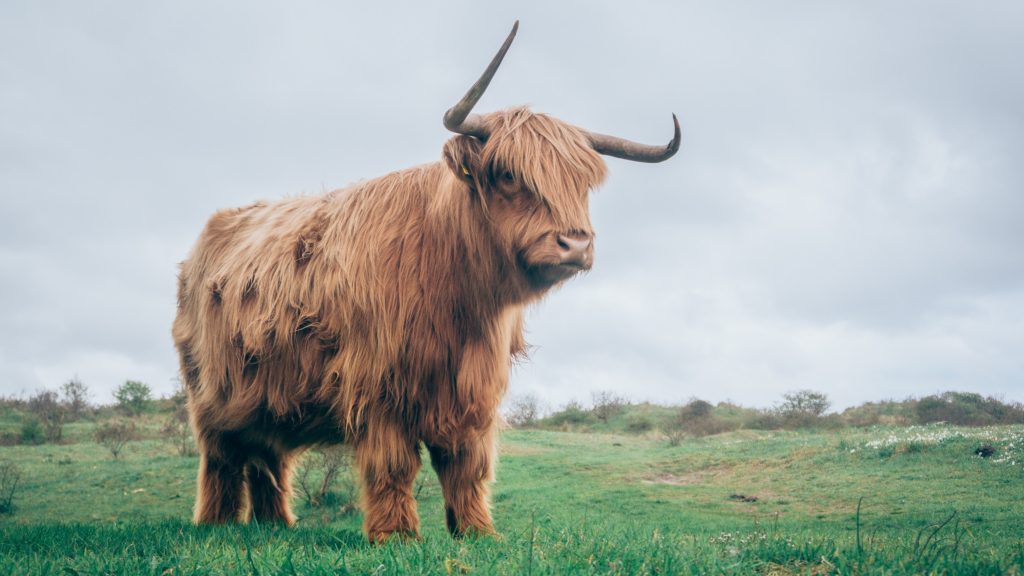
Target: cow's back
[290,309]
[239,307]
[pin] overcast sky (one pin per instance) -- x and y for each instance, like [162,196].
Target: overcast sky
[846,213]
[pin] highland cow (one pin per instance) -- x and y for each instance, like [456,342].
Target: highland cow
[385,315]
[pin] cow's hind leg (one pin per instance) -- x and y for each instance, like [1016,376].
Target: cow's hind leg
[269,477]
[464,474]
[221,489]
[388,461]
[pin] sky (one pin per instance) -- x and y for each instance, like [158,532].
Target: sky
[845,213]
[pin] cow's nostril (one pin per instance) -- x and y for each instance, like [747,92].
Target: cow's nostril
[575,252]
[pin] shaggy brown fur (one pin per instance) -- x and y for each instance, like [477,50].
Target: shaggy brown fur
[384,315]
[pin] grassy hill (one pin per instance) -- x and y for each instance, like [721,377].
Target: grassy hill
[765,502]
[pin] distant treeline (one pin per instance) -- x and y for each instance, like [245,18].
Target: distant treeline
[40,418]
[797,410]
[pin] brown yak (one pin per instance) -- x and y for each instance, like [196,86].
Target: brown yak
[384,316]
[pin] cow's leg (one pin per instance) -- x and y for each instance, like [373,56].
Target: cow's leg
[465,462]
[269,477]
[388,461]
[465,473]
[220,495]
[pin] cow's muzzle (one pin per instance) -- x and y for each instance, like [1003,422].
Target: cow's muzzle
[575,251]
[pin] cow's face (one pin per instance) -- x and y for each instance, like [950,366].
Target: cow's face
[532,178]
[531,174]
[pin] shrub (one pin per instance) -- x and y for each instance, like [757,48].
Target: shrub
[115,435]
[46,406]
[12,403]
[764,420]
[710,426]
[830,422]
[606,405]
[967,409]
[638,424]
[75,397]
[696,418]
[695,409]
[177,430]
[321,471]
[10,479]
[932,409]
[804,403]
[1005,412]
[32,431]
[133,397]
[802,408]
[523,410]
[178,433]
[885,412]
[572,414]
[675,436]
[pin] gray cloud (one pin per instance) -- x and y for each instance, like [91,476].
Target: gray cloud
[844,214]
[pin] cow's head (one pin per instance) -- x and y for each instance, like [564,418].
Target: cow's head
[532,175]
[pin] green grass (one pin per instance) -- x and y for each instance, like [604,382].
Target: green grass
[568,503]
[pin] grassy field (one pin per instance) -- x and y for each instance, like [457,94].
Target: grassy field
[744,502]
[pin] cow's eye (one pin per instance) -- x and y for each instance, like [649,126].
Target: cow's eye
[508,176]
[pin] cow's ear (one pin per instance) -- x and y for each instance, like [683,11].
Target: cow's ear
[462,155]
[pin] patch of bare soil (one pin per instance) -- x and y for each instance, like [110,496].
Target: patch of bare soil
[514,450]
[686,478]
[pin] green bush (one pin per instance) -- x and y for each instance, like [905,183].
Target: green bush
[607,405]
[32,431]
[967,409]
[75,396]
[710,426]
[177,430]
[804,403]
[764,420]
[803,409]
[695,409]
[46,407]
[885,413]
[571,414]
[638,424]
[133,397]
[115,435]
[697,418]
[326,476]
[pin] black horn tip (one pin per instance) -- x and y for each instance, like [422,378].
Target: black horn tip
[511,36]
[629,150]
[677,136]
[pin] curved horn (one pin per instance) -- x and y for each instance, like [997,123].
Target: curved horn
[622,148]
[458,118]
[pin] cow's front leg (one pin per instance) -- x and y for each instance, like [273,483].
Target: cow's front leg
[388,462]
[465,473]
[464,459]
